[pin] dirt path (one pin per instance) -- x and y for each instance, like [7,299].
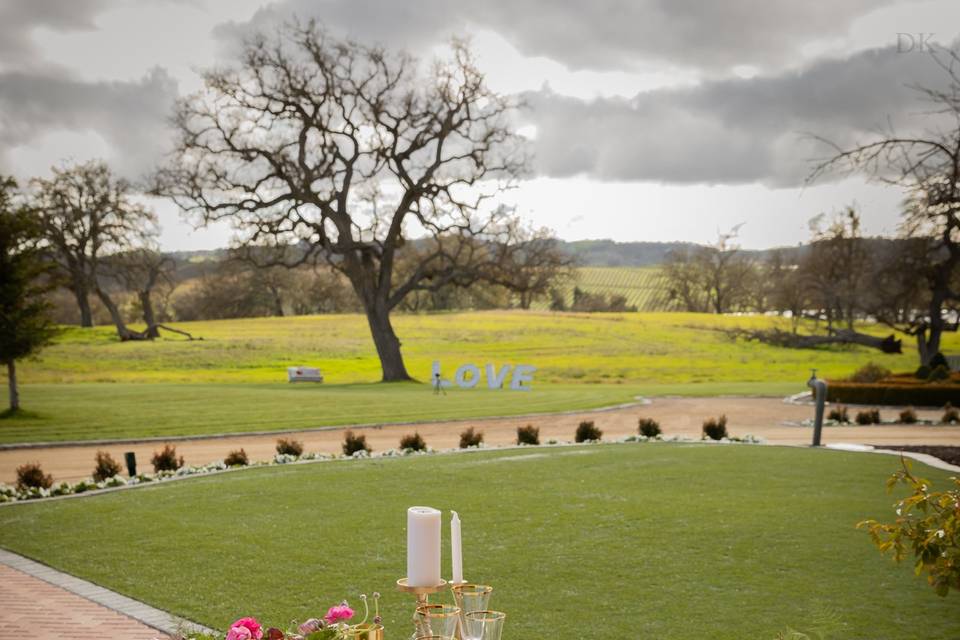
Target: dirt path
[763,417]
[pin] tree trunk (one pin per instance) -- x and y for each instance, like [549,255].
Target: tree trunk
[387,343]
[146,304]
[122,330]
[83,303]
[922,347]
[12,382]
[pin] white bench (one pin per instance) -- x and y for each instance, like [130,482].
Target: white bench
[304,374]
[953,362]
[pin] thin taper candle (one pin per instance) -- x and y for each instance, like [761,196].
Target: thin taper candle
[456,548]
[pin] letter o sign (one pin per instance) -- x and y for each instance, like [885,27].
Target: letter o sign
[467,376]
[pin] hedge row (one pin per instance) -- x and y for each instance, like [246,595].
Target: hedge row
[917,395]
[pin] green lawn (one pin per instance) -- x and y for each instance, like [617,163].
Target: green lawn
[90,386]
[634,541]
[126,410]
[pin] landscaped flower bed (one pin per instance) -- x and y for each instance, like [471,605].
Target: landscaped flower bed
[10,493]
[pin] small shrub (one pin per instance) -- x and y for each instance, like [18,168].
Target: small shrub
[166,460]
[587,432]
[868,416]
[528,435]
[940,372]
[923,372]
[470,438]
[715,428]
[870,372]
[414,442]
[237,458]
[939,360]
[106,466]
[908,416]
[289,447]
[839,414]
[30,475]
[649,427]
[950,414]
[354,442]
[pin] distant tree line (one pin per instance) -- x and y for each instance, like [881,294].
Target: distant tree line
[838,279]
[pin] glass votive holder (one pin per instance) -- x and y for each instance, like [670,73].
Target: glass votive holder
[437,620]
[483,625]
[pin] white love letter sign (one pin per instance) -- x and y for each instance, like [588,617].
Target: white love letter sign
[464,380]
[423,547]
[467,376]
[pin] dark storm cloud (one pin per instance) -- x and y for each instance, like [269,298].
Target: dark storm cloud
[733,130]
[131,116]
[37,96]
[603,34]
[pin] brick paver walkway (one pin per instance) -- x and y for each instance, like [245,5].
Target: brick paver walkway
[32,608]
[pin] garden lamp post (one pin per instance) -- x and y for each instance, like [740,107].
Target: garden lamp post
[820,397]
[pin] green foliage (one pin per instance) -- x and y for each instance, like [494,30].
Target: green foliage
[950,414]
[166,459]
[940,372]
[715,428]
[289,447]
[939,360]
[354,443]
[923,372]
[470,437]
[868,416]
[25,323]
[528,435]
[928,522]
[870,372]
[587,432]
[908,416]
[839,414]
[414,442]
[106,467]
[893,393]
[237,458]
[649,427]
[32,475]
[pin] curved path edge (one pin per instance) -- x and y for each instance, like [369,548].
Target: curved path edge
[639,402]
[143,613]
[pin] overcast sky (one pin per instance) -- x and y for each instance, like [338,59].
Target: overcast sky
[649,120]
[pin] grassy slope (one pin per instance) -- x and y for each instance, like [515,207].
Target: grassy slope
[234,379]
[654,348]
[643,287]
[659,541]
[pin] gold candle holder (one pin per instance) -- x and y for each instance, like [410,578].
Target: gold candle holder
[422,593]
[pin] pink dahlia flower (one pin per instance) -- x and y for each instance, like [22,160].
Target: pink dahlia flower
[245,629]
[337,613]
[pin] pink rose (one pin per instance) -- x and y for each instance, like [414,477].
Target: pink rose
[239,633]
[251,625]
[337,613]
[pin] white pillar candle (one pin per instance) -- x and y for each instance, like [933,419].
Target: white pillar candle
[456,549]
[423,547]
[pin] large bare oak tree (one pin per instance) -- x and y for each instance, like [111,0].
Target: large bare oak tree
[345,152]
